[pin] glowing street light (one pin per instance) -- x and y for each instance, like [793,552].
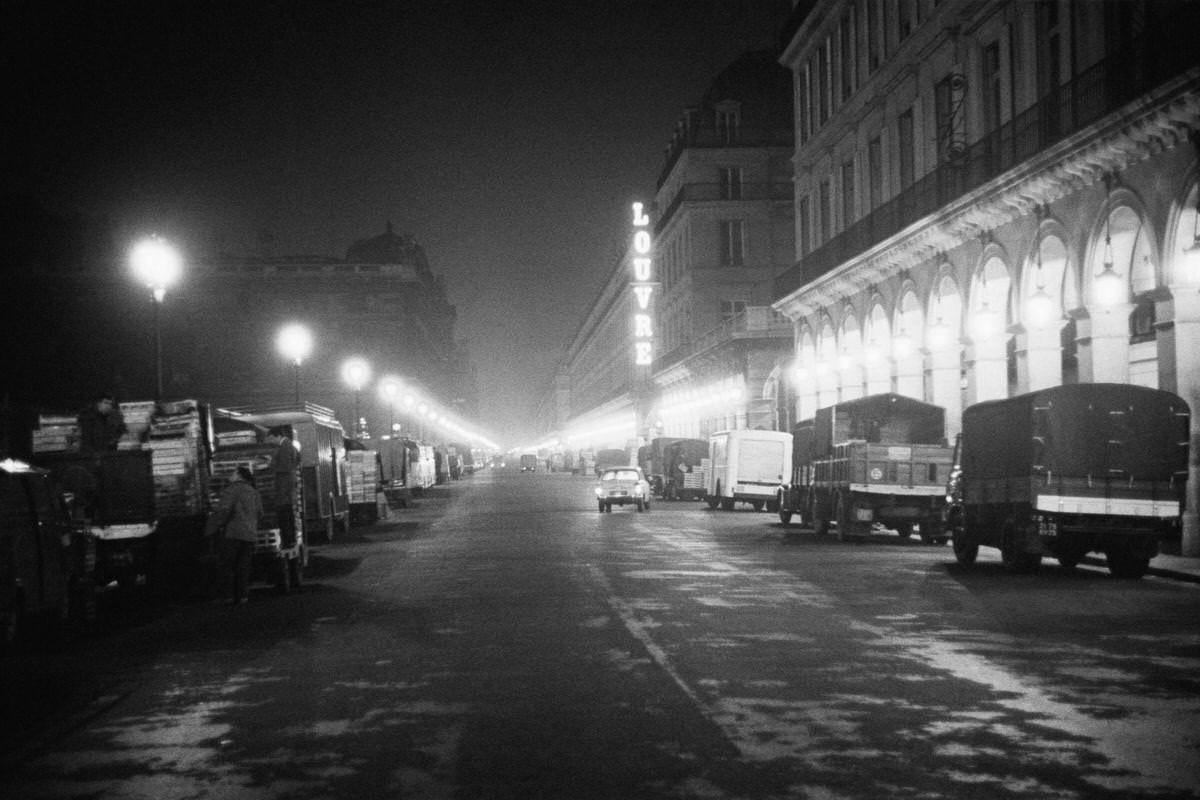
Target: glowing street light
[356,372]
[295,343]
[158,265]
[390,388]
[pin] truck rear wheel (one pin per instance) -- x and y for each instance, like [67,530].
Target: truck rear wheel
[296,569]
[283,576]
[785,513]
[965,550]
[842,519]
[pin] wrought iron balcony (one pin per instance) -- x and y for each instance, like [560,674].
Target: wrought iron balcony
[717,192]
[756,322]
[708,137]
[1092,95]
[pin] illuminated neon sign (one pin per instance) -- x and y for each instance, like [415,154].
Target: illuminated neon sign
[643,287]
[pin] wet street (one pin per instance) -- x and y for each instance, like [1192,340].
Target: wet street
[502,639]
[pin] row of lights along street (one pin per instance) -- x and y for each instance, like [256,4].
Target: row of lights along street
[157,264]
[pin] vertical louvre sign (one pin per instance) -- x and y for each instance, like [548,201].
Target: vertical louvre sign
[643,288]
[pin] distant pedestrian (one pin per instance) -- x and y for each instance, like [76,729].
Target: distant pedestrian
[284,467]
[234,524]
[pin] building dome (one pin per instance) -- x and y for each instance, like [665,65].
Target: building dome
[387,248]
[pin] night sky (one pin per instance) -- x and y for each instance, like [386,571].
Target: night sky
[508,137]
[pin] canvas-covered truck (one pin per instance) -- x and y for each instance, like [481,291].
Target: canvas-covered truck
[881,459]
[673,466]
[747,466]
[1070,470]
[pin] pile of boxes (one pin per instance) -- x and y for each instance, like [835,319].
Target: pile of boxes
[56,433]
[363,474]
[697,478]
[175,439]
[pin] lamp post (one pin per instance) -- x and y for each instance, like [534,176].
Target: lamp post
[355,372]
[391,390]
[158,265]
[295,343]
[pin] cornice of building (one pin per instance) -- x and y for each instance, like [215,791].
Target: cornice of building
[1156,122]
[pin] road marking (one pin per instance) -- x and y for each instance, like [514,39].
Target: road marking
[638,631]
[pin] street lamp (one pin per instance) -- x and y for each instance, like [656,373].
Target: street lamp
[295,343]
[158,265]
[355,372]
[391,390]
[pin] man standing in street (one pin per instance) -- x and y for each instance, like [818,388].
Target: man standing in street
[101,425]
[285,466]
[236,517]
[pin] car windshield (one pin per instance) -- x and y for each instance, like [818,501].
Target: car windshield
[620,475]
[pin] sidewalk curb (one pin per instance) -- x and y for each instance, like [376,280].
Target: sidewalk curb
[1160,572]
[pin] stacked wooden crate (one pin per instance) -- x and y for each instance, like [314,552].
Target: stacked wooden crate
[364,475]
[174,436]
[698,477]
[56,433]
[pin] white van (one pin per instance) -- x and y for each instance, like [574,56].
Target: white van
[747,466]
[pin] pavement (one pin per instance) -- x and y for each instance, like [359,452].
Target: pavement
[1180,568]
[1184,568]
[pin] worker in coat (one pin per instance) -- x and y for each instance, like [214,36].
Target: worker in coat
[235,521]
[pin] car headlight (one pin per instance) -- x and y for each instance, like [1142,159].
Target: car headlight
[599,491]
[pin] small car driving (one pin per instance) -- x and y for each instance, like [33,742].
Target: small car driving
[622,486]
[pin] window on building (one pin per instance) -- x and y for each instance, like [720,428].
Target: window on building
[992,88]
[1049,48]
[848,56]
[874,35]
[729,179]
[731,308]
[727,125]
[907,15]
[949,119]
[732,236]
[905,145]
[803,113]
[823,88]
[804,218]
[848,195]
[875,172]
[825,211]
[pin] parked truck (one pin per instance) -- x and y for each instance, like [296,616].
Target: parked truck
[144,501]
[877,460]
[673,466]
[323,469]
[1071,470]
[747,466]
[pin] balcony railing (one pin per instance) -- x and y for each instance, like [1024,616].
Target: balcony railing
[1093,94]
[707,137]
[756,322]
[710,192]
